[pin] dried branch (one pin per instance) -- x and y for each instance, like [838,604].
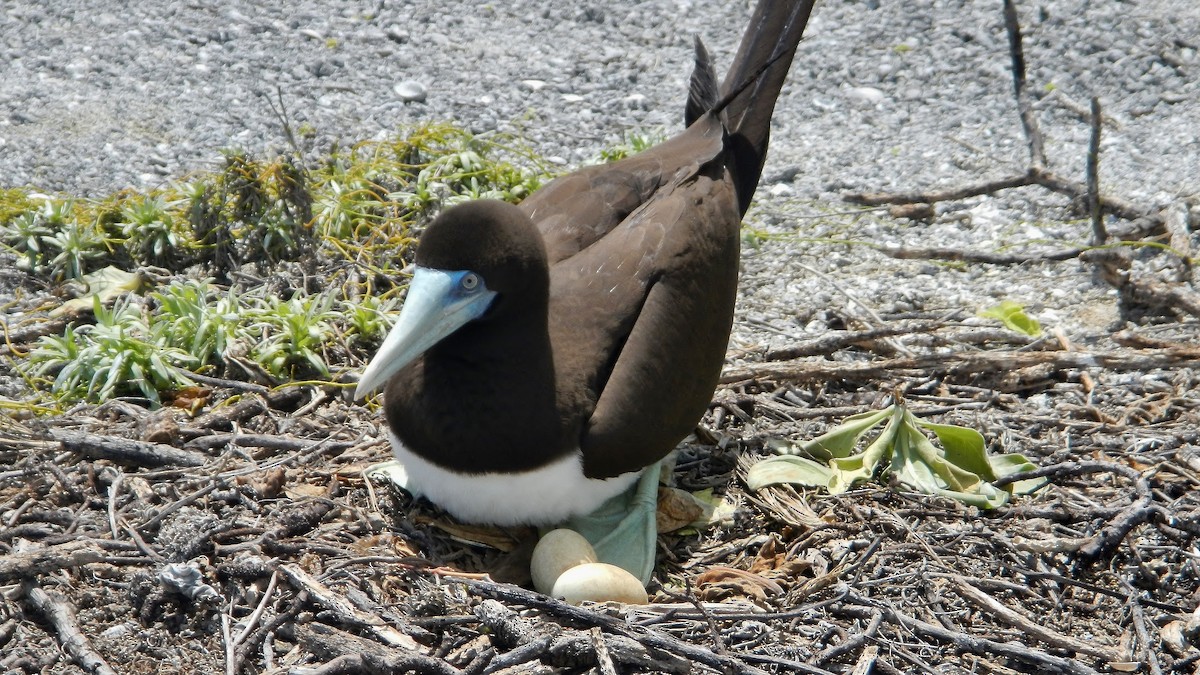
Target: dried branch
[966,643]
[39,561]
[349,653]
[139,453]
[649,639]
[344,610]
[59,613]
[1028,626]
[1141,510]
[1099,235]
[940,365]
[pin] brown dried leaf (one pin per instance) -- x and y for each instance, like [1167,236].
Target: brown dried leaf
[267,484]
[501,539]
[722,583]
[775,562]
[191,399]
[676,509]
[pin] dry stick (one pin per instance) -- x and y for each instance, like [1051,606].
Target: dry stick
[853,643]
[179,504]
[866,661]
[960,364]
[604,662]
[227,639]
[37,562]
[1036,173]
[1099,235]
[949,195]
[352,654]
[345,611]
[113,489]
[236,385]
[258,611]
[515,594]
[1104,542]
[1037,152]
[527,642]
[964,642]
[828,344]
[963,255]
[94,446]
[1031,628]
[1138,617]
[59,613]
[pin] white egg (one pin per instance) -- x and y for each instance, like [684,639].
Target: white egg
[555,553]
[599,582]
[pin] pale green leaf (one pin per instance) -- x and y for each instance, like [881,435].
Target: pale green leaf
[1006,465]
[963,447]
[788,469]
[1013,316]
[842,439]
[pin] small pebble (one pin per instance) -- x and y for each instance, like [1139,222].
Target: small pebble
[410,91]
[869,95]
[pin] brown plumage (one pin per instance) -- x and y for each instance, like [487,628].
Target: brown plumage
[609,296]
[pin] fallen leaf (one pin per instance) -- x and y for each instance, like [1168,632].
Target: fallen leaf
[676,509]
[960,469]
[722,583]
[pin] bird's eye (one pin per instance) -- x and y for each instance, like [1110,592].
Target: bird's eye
[470,282]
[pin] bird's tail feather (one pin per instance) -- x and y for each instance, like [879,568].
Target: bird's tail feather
[703,95]
[753,84]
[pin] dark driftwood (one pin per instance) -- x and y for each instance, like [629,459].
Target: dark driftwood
[937,365]
[140,453]
[59,613]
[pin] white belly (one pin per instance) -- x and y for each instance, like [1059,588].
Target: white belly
[544,496]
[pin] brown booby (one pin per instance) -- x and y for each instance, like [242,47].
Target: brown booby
[547,353]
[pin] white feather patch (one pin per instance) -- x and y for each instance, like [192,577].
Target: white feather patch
[543,496]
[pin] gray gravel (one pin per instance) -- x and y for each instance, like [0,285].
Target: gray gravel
[884,95]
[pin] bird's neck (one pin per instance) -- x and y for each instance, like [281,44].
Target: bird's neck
[483,399]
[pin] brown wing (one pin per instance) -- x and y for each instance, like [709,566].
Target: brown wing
[649,305]
[576,211]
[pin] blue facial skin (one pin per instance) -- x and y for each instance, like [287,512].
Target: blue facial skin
[439,302]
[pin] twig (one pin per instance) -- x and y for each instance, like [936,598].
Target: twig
[1138,616]
[140,453]
[960,364]
[1029,627]
[236,385]
[832,342]
[1104,542]
[854,299]
[934,196]
[866,661]
[113,489]
[178,504]
[254,617]
[1099,235]
[59,613]
[1037,172]
[968,643]
[1037,153]
[852,644]
[603,659]
[227,640]
[962,255]
[651,639]
[352,654]
[344,610]
[28,564]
